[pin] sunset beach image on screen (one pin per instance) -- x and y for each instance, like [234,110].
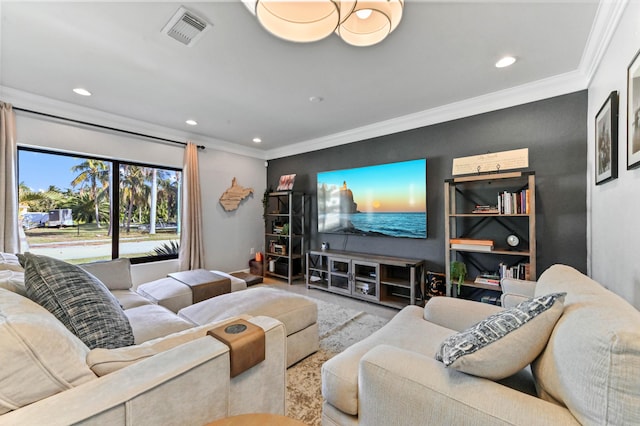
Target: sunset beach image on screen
[379,200]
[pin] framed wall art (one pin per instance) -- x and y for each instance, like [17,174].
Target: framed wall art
[607,140]
[633,113]
[286,182]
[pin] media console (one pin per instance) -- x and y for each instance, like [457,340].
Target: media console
[386,280]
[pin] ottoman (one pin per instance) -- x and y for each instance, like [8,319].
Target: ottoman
[175,295]
[167,292]
[299,315]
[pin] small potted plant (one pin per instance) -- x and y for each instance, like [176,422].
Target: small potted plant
[458,273]
[282,240]
[265,203]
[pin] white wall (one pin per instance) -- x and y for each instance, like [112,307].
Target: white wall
[614,207]
[228,236]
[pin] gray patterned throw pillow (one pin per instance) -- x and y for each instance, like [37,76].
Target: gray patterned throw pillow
[503,343]
[79,300]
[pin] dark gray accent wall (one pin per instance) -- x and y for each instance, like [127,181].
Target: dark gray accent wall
[554,130]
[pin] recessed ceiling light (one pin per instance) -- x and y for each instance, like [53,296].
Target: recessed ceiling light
[257,140]
[192,122]
[505,62]
[316,99]
[82,92]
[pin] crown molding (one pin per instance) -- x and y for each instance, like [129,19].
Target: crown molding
[542,89]
[41,104]
[604,26]
[607,17]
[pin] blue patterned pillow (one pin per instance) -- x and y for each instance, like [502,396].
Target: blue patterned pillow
[79,300]
[504,343]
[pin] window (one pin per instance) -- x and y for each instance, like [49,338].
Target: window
[70,204]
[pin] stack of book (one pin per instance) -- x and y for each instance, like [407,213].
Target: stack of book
[492,300]
[488,279]
[471,244]
[480,209]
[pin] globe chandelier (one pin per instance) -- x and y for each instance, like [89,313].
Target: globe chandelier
[358,23]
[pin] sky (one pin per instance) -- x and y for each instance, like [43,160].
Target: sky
[38,170]
[394,187]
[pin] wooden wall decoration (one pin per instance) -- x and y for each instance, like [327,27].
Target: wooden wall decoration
[231,198]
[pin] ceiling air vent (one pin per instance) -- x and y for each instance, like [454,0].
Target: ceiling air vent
[186,27]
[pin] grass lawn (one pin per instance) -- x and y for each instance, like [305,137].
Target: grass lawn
[90,232]
[88,243]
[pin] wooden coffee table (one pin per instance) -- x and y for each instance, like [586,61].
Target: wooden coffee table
[257,419]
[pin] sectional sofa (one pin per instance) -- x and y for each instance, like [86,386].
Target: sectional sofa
[171,373]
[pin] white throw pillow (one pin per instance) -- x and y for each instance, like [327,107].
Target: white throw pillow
[13,281]
[506,342]
[10,262]
[115,274]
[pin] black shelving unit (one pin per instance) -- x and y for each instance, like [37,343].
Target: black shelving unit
[285,235]
[463,220]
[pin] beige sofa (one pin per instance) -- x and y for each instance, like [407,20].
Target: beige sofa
[588,373]
[145,308]
[174,374]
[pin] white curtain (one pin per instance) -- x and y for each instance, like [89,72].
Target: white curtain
[9,236]
[191,241]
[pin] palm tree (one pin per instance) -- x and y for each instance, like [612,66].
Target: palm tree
[154,201]
[134,190]
[168,196]
[23,189]
[92,173]
[82,206]
[158,181]
[41,201]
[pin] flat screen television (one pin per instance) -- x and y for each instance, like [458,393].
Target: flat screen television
[381,200]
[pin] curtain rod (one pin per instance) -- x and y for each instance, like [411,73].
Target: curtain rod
[85,123]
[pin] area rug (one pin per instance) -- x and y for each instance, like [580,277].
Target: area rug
[339,328]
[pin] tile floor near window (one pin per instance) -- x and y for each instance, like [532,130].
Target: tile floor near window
[300,287]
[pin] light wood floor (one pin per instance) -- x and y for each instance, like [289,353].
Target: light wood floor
[301,288]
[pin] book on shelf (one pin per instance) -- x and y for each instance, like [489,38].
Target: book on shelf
[493,275]
[476,247]
[487,280]
[472,241]
[521,271]
[479,209]
[514,202]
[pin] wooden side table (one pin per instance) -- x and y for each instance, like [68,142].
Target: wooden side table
[255,267]
[257,419]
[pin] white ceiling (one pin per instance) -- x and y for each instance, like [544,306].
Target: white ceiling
[239,82]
